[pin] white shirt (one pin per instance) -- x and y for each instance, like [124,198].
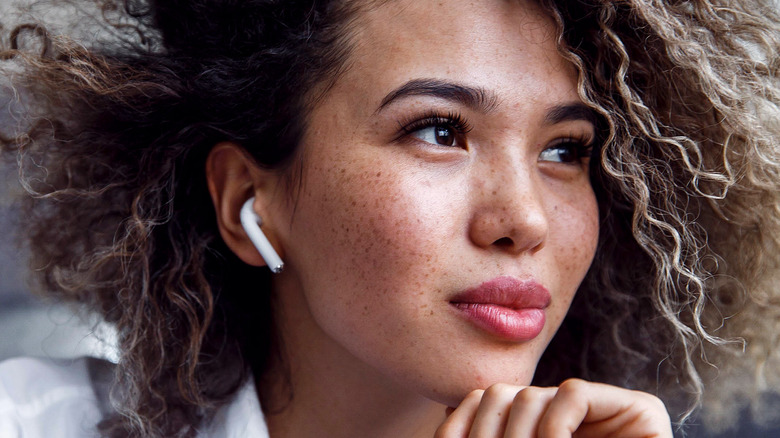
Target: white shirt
[42,398]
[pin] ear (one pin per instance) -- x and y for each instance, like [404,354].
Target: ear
[233,177]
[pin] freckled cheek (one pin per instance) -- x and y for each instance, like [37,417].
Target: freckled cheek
[382,230]
[572,246]
[576,239]
[401,232]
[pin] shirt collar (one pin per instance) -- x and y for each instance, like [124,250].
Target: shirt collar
[241,418]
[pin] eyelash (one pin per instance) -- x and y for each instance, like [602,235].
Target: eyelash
[581,144]
[451,120]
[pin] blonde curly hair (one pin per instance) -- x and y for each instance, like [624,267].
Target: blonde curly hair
[691,95]
[680,301]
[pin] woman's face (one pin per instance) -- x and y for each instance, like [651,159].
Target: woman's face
[446,216]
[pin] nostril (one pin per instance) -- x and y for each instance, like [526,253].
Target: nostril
[504,242]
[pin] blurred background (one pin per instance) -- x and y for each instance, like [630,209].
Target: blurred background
[32,326]
[29,325]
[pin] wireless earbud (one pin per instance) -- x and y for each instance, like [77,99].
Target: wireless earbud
[251,223]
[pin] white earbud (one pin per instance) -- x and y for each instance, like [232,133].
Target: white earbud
[251,223]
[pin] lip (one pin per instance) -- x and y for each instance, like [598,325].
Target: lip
[506,307]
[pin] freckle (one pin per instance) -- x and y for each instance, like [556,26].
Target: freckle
[502,220]
[424,306]
[431,312]
[379,174]
[494,192]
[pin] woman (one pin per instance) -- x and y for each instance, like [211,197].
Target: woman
[439,179]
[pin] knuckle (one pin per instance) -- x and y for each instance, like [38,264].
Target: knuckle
[500,390]
[529,395]
[572,387]
[654,403]
[658,403]
[474,395]
[573,390]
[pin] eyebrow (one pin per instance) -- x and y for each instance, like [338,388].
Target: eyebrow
[475,98]
[482,100]
[571,112]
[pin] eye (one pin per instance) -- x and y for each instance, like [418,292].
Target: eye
[441,135]
[448,130]
[568,150]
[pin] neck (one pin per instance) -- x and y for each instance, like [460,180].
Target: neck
[324,404]
[323,390]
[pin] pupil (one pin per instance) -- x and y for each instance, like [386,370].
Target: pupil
[444,136]
[566,155]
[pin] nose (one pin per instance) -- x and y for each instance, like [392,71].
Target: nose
[510,214]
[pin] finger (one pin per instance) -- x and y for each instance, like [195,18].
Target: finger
[493,411]
[645,416]
[458,423]
[528,407]
[595,409]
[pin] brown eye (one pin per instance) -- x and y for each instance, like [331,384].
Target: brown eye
[440,135]
[569,151]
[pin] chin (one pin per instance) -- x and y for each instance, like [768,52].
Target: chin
[452,391]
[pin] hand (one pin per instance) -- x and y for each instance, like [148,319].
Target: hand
[575,409]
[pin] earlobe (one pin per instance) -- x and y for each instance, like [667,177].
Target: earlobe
[233,177]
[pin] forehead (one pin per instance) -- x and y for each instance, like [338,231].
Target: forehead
[494,44]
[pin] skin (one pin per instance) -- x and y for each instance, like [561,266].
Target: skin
[390,224]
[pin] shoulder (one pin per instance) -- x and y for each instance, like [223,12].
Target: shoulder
[49,398]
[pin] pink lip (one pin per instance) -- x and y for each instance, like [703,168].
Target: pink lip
[506,307]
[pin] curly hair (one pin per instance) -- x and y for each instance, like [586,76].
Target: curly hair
[681,292]
[684,278]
